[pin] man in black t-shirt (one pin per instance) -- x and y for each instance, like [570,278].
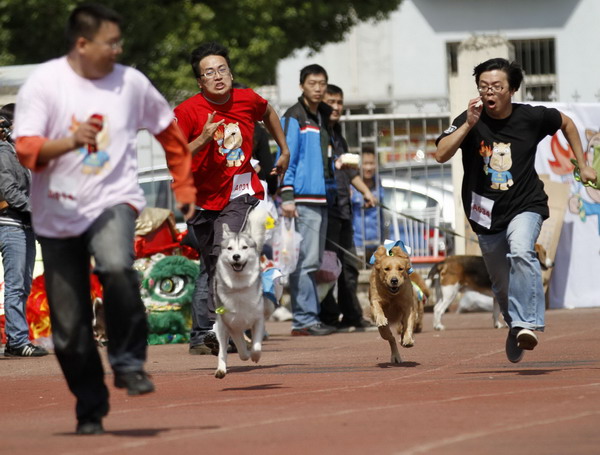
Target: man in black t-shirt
[502,195]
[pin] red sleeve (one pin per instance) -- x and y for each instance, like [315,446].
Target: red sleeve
[260,107]
[185,122]
[179,162]
[28,149]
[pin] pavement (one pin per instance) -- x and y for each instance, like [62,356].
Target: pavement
[454,393]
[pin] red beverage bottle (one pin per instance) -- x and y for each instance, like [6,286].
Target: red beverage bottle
[98,124]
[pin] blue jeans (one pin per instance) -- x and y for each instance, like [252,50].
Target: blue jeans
[312,224]
[109,240]
[17,246]
[515,271]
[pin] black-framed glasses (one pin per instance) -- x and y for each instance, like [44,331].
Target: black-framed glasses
[486,88]
[115,45]
[210,73]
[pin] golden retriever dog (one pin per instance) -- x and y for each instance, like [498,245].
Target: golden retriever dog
[394,303]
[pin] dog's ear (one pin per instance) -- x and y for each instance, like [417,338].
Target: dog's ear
[226,231]
[399,252]
[380,253]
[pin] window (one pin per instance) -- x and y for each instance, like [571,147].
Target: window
[538,59]
[452,56]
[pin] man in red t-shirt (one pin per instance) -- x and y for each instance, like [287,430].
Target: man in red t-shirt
[219,124]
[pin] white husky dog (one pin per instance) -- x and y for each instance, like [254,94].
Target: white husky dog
[238,292]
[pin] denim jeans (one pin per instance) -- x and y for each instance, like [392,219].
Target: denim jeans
[109,240]
[312,224]
[515,271]
[17,246]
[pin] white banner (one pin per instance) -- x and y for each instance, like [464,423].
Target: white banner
[576,277]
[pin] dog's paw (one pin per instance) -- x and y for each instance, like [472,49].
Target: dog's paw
[381,321]
[244,355]
[255,356]
[396,359]
[408,342]
[220,374]
[499,325]
[439,327]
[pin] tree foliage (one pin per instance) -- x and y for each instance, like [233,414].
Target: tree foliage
[159,35]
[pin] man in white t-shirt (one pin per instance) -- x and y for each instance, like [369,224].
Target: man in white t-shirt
[76,123]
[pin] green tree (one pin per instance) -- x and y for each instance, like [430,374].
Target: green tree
[160,34]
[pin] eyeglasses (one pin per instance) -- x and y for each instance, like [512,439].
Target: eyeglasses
[494,88]
[209,74]
[115,45]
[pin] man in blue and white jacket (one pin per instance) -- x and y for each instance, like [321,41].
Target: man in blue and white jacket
[307,181]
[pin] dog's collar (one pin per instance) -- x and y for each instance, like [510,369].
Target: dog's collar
[222,310]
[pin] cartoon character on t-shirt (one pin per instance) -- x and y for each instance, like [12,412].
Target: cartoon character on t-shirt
[500,162]
[229,138]
[95,160]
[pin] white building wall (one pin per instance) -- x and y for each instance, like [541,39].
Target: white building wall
[403,59]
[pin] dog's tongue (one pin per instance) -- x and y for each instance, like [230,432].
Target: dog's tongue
[238,267]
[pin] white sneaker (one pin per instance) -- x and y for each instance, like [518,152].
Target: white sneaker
[526,339]
[281,314]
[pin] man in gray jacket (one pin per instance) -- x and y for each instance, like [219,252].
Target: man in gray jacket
[17,243]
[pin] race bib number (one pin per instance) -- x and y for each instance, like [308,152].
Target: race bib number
[62,191]
[242,184]
[481,210]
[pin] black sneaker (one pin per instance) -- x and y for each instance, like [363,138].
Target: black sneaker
[136,382]
[361,326]
[318,329]
[211,342]
[27,350]
[513,352]
[200,349]
[90,427]
[526,339]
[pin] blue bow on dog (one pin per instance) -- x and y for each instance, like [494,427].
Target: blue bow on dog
[389,244]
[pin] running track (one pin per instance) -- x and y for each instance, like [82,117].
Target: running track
[455,393]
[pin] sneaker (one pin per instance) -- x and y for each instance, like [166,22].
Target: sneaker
[513,352]
[318,329]
[90,427]
[27,350]
[200,349]
[526,339]
[211,342]
[362,326]
[136,382]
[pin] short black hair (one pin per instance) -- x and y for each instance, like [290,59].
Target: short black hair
[312,69]
[514,72]
[204,50]
[368,149]
[86,20]
[334,90]
[8,111]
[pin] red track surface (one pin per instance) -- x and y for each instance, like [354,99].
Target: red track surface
[455,393]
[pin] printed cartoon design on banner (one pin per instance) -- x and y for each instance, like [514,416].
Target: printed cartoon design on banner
[562,165]
[95,158]
[229,138]
[497,162]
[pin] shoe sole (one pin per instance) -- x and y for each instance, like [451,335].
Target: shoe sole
[89,429]
[513,357]
[134,392]
[526,340]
